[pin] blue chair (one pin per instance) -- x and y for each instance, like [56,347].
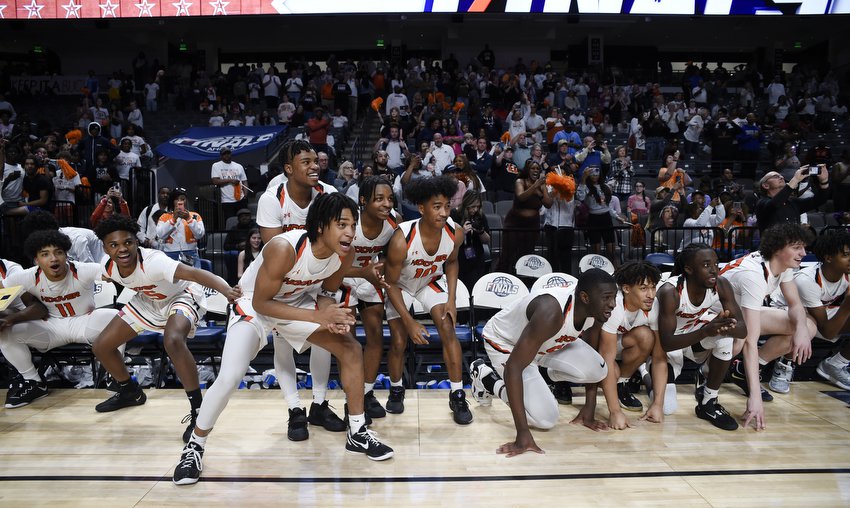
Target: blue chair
[660,259]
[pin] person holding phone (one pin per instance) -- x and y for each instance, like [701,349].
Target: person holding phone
[779,202]
[110,205]
[179,230]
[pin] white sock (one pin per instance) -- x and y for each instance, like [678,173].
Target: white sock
[368,387]
[198,439]
[396,383]
[623,380]
[319,394]
[356,422]
[838,361]
[293,400]
[457,386]
[708,394]
[31,375]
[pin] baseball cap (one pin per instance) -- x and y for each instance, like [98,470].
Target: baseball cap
[562,142]
[243,211]
[225,149]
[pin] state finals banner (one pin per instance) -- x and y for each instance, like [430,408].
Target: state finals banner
[205,143]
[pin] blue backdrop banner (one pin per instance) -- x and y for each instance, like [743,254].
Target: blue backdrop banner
[205,143]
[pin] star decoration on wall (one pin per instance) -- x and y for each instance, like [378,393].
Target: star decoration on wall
[182,8]
[219,7]
[2,8]
[107,10]
[72,10]
[145,8]
[33,10]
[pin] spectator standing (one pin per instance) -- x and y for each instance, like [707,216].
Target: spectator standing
[593,156]
[126,160]
[229,176]
[559,226]
[440,154]
[522,224]
[673,177]
[151,95]
[600,219]
[180,229]
[749,144]
[472,256]
[779,204]
[271,88]
[317,130]
[149,218]
[621,174]
[112,203]
[293,86]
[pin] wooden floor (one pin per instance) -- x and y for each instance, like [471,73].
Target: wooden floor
[60,451]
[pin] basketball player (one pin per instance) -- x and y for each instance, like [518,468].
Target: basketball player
[66,290]
[823,289]
[364,285]
[419,253]
[548,328]
[169,299]
[686,322]
[631,333]
[8,267]
[754,277]
[281,209]
[292,286]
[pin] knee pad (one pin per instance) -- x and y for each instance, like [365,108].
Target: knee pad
[720,347]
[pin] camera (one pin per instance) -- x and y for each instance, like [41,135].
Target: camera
[814,170]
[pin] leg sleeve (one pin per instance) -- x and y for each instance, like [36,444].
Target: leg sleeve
[239,349]
[578,363]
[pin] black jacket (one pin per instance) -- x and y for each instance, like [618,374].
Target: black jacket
[785,207]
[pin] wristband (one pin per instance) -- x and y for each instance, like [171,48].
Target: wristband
[328,294]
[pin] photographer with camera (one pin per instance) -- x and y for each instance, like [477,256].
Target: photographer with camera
[111,204]
[179,230]
[474,255]
[780,203]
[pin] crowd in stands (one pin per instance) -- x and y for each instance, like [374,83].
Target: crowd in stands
[508,134]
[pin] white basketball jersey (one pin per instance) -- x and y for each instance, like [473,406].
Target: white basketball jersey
[367,250]
[623,320]
[752,280]
[504,329]
[71,296]
[420,268]
[690,316]
[8,268]
[307,274]
[153,277]
[277,209]
[815,291]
